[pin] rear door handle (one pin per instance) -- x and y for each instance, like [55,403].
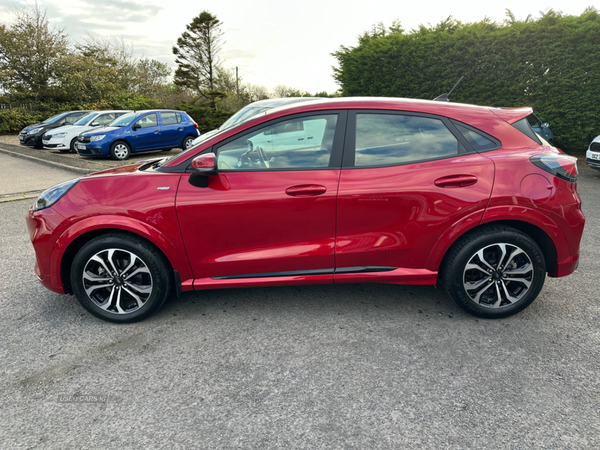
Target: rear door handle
[306,190]
[454,181]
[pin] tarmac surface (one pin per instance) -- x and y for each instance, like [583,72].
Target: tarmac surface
[310,367]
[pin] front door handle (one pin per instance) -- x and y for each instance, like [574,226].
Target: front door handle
[454,181]
[306,190]
[156,131]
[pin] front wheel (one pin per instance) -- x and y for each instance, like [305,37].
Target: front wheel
[120,278]
[119,151]
[495,272]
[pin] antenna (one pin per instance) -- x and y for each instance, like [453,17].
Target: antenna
[446,97]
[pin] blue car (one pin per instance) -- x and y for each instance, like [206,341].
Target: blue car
[139,131]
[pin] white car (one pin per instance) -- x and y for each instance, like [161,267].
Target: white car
[592,156]
[64,138]
[251,110]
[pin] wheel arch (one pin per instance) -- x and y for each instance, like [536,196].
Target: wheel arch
[72,240]
[122,139]
[537,234]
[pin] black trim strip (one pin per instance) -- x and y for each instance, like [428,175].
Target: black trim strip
[292,273]
[296,273]
[365,269]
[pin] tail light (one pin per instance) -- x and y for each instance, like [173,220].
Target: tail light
[196,125]
[560,165]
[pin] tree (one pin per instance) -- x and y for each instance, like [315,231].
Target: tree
[196,55]
[30,52]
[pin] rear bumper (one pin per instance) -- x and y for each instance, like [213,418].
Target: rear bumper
[565,267]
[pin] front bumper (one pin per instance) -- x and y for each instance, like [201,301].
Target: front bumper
[45,227]
[55,144]
[92,149]
[30,140]
[592,159]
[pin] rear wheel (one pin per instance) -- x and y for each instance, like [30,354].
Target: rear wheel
[495,272]
[187,142]
[120,278]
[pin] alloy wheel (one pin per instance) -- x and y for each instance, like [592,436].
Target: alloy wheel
[498,275]
[117,281]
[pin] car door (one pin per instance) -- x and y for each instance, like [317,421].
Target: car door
[145,133]
[266,214]
[171,129]
[406,179]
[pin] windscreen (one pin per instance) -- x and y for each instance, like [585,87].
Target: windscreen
[86,119]
[124,120]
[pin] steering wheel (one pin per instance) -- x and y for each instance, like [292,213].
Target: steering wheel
[262,156]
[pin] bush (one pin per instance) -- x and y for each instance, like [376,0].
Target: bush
[14,120]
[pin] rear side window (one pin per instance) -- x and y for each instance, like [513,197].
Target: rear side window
[524,127]
[390,139]
[478,140]
[170,118]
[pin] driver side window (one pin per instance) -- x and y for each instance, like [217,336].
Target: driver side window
[300,144]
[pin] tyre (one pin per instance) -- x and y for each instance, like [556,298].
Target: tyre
[494,272]
[120,278]
[187,142]
[72,145]
[120,150]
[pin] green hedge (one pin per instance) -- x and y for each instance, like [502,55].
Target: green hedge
[14,120]
[551,64]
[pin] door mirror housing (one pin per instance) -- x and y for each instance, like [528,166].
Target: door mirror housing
[135,126]
[203,167]
[545,125]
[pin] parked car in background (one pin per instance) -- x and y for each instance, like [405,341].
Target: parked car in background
[592,156]
[32,135]
[139,131]
[251,110]
[64,138]
[372,190]
[541,128]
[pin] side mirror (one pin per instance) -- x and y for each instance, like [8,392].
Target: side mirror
[135,126]
[545,125]
[94,124]
[203,166]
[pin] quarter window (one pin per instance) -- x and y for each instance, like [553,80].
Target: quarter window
[302,143]
[478,141]
[390,139]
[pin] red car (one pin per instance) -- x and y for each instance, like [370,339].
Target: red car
[345,190]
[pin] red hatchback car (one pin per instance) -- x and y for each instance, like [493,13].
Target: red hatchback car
[330,191]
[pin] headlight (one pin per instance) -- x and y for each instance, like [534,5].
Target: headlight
[50,196]
[58,135]
[34,131]
[97,138]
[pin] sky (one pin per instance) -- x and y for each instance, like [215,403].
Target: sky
[272,42]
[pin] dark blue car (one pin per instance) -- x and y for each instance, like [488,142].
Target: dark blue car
[138,132]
